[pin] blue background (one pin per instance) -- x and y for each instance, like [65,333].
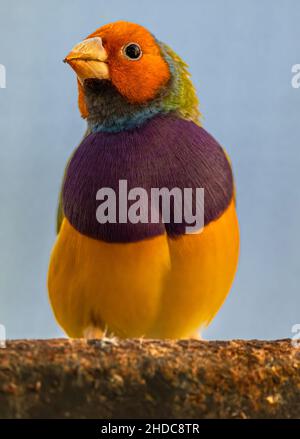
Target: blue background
[240,54]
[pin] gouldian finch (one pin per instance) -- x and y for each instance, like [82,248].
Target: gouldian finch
[140,278]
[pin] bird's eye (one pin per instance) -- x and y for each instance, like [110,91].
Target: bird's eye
[133,51]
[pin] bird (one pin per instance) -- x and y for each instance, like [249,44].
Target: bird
[144,126]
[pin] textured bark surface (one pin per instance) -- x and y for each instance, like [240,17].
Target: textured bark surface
[149,379]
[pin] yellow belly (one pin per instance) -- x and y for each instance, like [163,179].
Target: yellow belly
[160,287]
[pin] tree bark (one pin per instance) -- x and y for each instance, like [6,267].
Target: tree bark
[111,379]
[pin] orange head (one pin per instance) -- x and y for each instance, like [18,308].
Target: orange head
[127,55]
[126,76]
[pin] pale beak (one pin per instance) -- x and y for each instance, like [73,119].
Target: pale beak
[89,59]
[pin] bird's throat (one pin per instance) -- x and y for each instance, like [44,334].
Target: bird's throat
[109,111]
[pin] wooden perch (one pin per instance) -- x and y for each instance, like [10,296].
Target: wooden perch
[149,379]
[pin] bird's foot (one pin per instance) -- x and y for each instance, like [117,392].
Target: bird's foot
[93,333]
[97,334]
[196,336]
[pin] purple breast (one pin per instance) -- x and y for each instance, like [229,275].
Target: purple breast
[165,152]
